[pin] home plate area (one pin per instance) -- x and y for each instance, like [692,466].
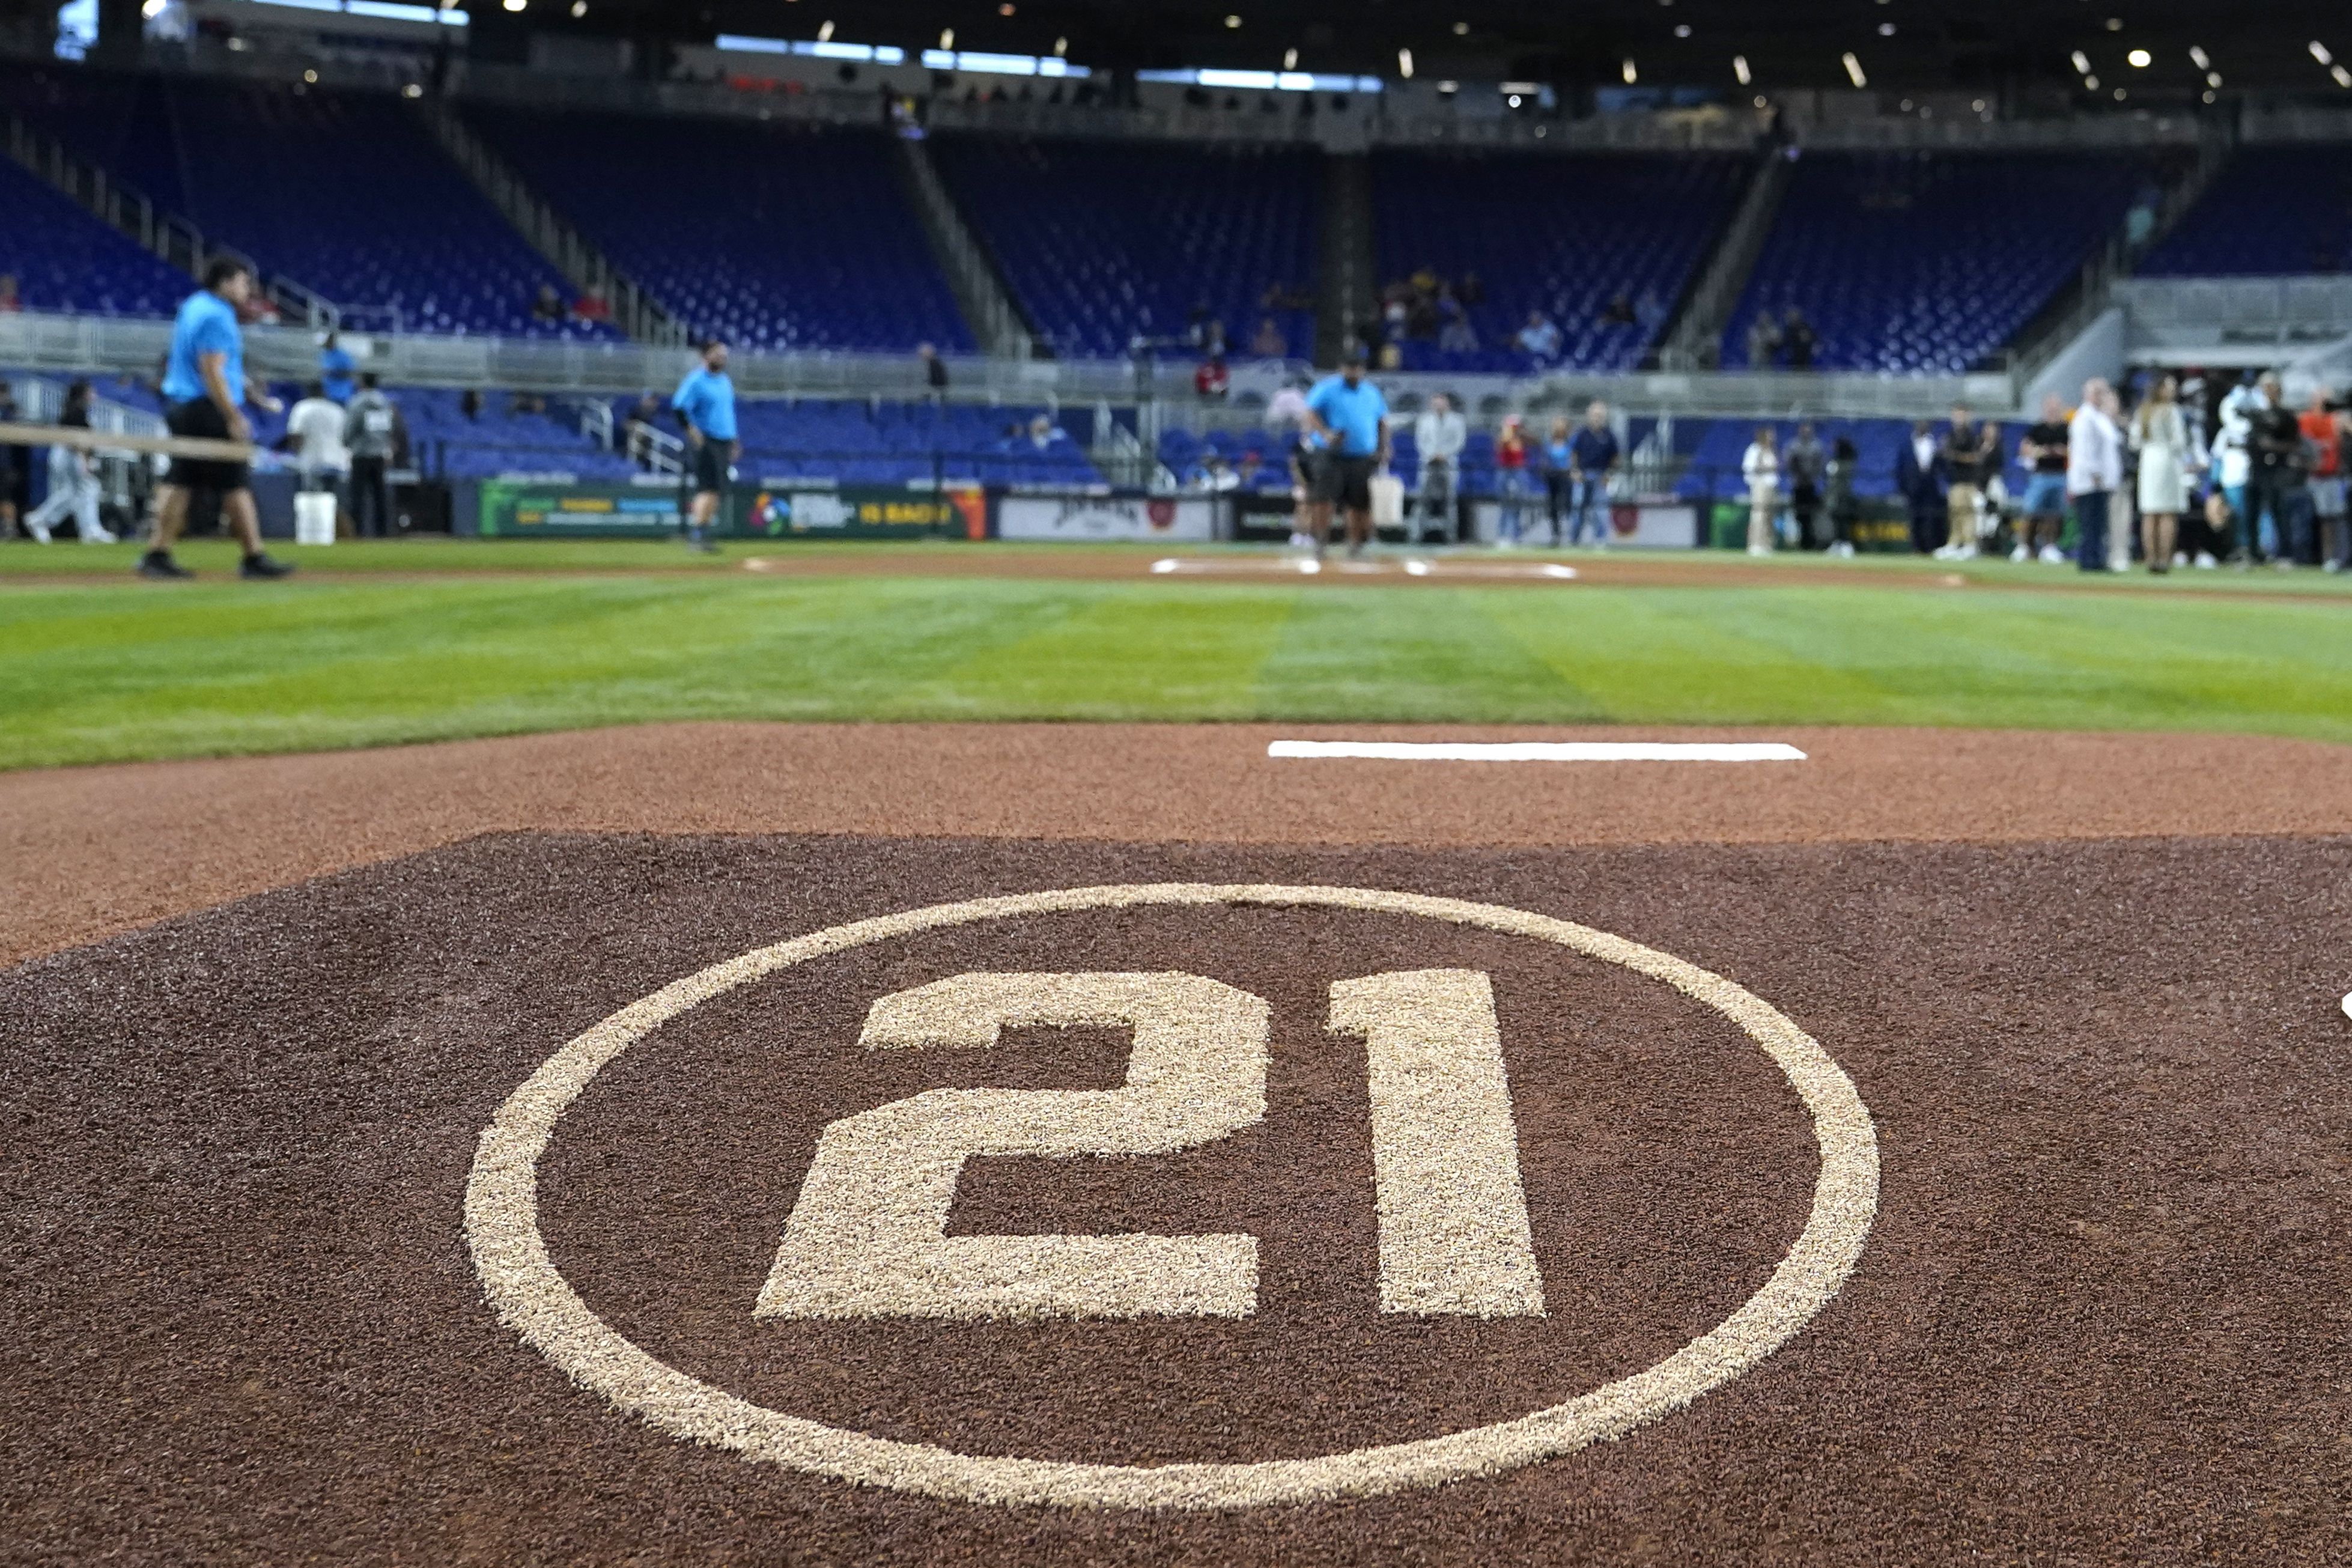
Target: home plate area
[865,1200]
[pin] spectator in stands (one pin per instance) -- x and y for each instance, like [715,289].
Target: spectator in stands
[935,371]
[526,405]
[372,429]
[1763,340]
[1215,475]
[1269,343]
[548,306]
[314,429]
[2323,430]
[1918,466]
[1845,510]
[1619,311]
[1969,452]
[469,403]
[1595,452]
[592,307]
[2160,436]
[1211,379]
[335,367]
[2276,485]
[73,479]
[1650,312]
[9,303]
[2095,468]
[1250,474]
[1511,482]
[1471,291]
[1438,437]
[1456,336]
[1760,466]
[1803,468]
[1044,435]
[2044,514]
[1799,342]
[1286,409]
[1540,339]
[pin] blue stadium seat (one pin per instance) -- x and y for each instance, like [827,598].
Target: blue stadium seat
[66,259]
[1564,233]
[1102,242]
[1915,263]
[778,237]
[2271,211]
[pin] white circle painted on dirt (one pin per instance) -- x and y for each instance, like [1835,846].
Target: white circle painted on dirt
[533,1298]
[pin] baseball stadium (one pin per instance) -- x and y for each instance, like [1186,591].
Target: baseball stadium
[927,782]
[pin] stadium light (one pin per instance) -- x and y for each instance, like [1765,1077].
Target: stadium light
[947,37]
[1887,29]
[2140,60]
[516,5]
[1061,48]
[1232,21]
[2343,78]
[1630,74]
[1739,70]
[1404,64]
[2198,56]
[2319,52]
[2212,79]
[2092,82]
[2081,63]
[824,36]
[1853,70]
[578,9]
[1290,60]
[1461,29]
[1682,30]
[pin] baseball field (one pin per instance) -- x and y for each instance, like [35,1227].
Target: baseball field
[559,1053]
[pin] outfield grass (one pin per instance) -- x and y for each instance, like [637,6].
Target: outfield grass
[566,635]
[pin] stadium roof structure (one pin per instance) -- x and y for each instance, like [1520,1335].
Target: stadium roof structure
[2151,48]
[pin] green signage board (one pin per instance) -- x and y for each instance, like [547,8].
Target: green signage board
[523,509]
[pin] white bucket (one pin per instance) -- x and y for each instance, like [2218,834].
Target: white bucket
[314,517]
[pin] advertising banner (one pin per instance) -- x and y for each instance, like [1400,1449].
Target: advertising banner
[1167,518]
[856,512]
[527,509]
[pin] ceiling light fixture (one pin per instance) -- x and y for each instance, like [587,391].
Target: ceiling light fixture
[1853,70]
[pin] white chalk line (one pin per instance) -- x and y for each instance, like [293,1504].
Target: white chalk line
[1543,751]
[1412,566]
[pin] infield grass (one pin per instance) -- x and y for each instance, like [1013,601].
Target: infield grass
[571,636]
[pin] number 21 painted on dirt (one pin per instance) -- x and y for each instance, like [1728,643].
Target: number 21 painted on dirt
[867,1238]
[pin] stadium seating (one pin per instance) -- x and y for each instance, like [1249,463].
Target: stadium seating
[2271,210]
[778,237]
[1561,233]
[1926,263]
[66,259]
[343,192]
[1102,242]
[861,443]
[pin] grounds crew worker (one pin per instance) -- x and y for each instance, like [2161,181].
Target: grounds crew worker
[706,405]
[204,387]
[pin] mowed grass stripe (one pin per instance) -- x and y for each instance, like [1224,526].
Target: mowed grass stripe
[106,673]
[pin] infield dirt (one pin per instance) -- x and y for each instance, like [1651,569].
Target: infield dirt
[2101,1315]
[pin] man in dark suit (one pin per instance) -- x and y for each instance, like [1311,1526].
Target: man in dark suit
[1919,475]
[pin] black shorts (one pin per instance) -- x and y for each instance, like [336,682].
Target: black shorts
[203,419]
[711,460]
[1346,480]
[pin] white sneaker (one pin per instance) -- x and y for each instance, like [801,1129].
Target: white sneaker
[1846,549]
[99,536]
[1759,550]
[1965,552]
[2205,562]
[2020,555]
[2053,556]
[2331,564]
[39,532]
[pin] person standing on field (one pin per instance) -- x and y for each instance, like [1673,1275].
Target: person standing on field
[1760,467]
[706,405]
[1968,452]
[1596,452]
[372,430]
[205,388]
[2161,437]
[1438,437]
[2044,515]
[2095,468]
[1352,417]
[73,479]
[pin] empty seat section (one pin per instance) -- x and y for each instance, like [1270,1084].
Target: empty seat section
[1562,233]
[895,442]
[1926,263]
[66,259]
[2271,210]
[777,237]
[1102,242]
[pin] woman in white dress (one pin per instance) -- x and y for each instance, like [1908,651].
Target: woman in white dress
[2161,439]
[1760,467]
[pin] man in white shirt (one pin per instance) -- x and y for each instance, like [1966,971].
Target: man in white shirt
[1540,339]
[1439,435]
[315,427]
[2095,468]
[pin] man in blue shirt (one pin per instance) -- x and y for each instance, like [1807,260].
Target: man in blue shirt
[203,387]
[1352,417]
[706,406]
[1593,454]
[335,370]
